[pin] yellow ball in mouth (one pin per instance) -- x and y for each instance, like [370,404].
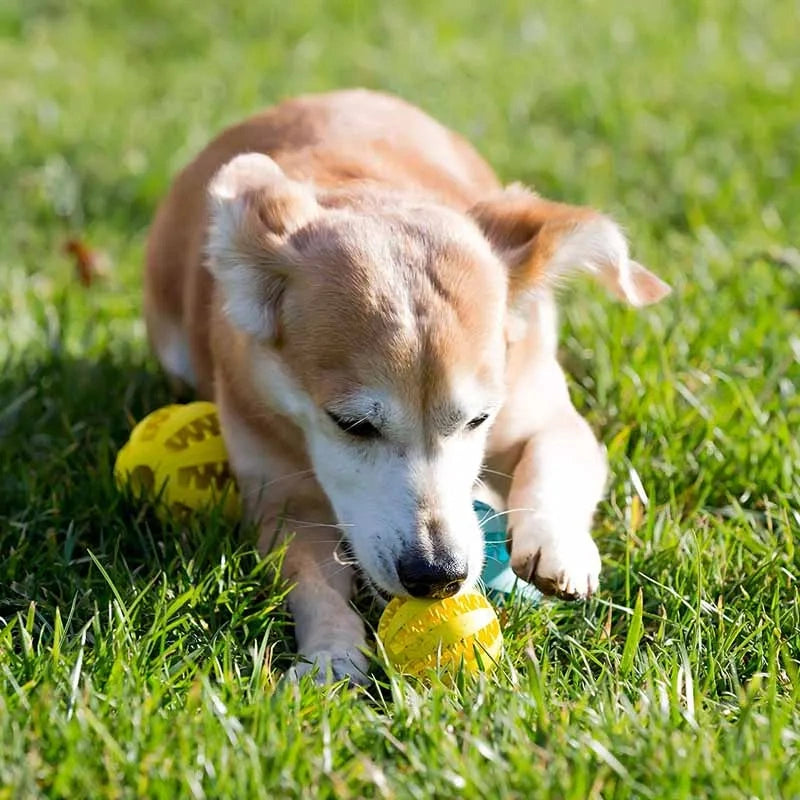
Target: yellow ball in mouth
[178,453]
[419,635]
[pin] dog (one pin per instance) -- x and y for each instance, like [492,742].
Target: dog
[374,315]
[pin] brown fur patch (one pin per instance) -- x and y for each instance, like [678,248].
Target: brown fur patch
[526,230]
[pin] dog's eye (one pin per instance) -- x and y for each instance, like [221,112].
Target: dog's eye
[477,422]
[360,428]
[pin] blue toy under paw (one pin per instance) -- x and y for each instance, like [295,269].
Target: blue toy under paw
[497,576]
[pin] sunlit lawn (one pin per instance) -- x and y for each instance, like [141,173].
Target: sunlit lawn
[142,661]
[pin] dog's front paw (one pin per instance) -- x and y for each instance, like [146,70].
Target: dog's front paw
[331,666]
[567,566]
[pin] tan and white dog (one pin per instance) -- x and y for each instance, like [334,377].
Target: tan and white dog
[374,315]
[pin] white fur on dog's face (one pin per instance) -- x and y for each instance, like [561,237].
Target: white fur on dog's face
[385,490]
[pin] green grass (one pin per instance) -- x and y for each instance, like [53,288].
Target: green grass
[137,660]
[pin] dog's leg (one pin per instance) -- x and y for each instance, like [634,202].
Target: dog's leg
[330,634]
[556,485]
[283,497]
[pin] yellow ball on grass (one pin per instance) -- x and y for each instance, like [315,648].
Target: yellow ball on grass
[178,454]
[419,635]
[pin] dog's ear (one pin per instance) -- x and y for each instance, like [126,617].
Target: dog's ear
[254,209]
[542,242]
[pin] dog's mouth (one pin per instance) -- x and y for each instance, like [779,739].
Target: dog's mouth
[345,555]
[373,587]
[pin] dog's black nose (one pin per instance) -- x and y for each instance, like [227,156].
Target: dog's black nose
[422,577]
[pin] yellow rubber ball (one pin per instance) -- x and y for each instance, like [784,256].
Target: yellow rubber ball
[177,453]
[419,635]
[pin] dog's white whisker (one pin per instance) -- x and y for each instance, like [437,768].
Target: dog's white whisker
[499,514]
[496,472]
[338,567]
[313,524]
[261,487]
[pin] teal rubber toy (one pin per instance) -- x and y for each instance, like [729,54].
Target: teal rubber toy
[497,576]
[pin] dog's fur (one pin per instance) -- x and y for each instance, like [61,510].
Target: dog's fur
[346,255]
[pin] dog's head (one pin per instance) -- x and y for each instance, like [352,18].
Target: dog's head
[380,327]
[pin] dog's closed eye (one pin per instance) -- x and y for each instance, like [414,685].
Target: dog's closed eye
[359,428]
[477,422]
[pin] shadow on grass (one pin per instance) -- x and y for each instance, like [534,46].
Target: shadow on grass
[70,541]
